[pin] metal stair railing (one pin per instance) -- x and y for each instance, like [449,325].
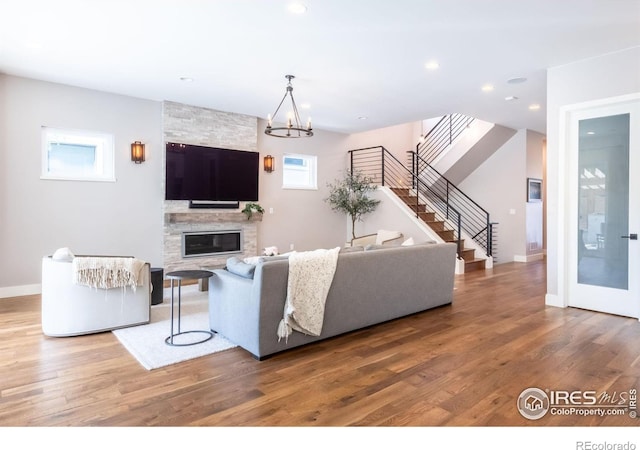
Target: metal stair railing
[384,169]
[442,135]
[476,223]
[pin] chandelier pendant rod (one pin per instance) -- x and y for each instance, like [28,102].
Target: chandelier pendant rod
[295,112]
[293,119]
[273,116]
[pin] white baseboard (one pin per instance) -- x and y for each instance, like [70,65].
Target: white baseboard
[18,291]
[528,258]
[554,300]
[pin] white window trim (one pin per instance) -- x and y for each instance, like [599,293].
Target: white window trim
[105,158]
[313,169]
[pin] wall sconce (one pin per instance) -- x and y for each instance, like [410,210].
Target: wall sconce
[269,163]
[137,152]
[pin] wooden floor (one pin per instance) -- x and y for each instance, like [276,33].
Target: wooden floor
[464,364]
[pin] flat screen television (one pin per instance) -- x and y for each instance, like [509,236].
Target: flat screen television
[195,172]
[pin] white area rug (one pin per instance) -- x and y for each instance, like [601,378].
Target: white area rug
[147,342]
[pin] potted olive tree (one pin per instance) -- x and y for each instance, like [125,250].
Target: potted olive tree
[350,195]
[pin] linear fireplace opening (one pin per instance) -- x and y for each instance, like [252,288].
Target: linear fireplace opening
[207,243]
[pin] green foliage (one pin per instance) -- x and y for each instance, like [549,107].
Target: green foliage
[350,195]
[250,208]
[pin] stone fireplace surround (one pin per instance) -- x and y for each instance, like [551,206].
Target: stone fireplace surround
[201,126]
[177,223]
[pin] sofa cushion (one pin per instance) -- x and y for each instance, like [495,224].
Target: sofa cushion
[353,248]
[253,260]
[63,254]
[284,256]
[376,247]
[386,235]
[240,268]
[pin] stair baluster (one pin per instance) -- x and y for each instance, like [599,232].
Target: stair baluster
[422,185]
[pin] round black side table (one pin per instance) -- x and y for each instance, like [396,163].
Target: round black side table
[185,275]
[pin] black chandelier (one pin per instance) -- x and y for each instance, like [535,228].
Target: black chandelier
[293,128]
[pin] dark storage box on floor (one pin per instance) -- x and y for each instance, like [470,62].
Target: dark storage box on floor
[157,281]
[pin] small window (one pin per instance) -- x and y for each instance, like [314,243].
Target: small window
[77,155]
[299,172]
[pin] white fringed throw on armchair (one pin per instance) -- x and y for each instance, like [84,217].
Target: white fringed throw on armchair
[70,309]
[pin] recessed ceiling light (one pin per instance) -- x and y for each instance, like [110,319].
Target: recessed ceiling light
[487,88]
[362,118]
[511,98]
[297,8]
[534,107]
[186,79]
[591,133]
[432,65]
[516,80]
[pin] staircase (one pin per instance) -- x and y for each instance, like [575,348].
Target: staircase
[441,206]
[458,144]
[471,263]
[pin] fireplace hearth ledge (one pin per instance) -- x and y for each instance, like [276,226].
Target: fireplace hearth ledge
[209,217]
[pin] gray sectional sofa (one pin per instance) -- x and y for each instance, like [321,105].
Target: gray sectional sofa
[369,287]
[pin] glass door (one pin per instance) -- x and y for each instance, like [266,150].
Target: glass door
[604,220]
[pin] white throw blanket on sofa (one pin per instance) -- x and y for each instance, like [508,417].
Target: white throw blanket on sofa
[310,277]
[106,272]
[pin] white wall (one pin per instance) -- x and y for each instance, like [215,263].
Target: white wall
[535,211]
[125,217]
[38,216]
[301,217]
[391,214]
[461,146]
[499,186]
[610,75]
[398,139]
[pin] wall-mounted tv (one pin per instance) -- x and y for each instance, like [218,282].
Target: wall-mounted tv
[195,172]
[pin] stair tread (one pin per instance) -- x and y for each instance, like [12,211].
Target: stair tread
[471,261]
[474,266]
[413,202]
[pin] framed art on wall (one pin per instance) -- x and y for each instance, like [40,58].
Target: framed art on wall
[534,190]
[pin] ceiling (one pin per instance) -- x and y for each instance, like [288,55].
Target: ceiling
[359,64]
